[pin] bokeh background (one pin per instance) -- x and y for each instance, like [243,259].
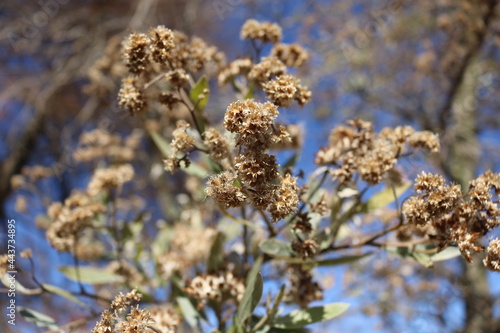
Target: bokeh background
[431,64]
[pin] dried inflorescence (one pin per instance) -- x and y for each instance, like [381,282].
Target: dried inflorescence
[292,55]
[303,289]
[217,144]
[124,315]
[110,178]
[130,97]
[165,319]
[455,218]
[224,285]
[252,123]
[224,190]
[264,31]
[287,198]
[236,68]
[284,89]
[99,144]
[357,148]
[305,249]
[162,43]
[135,52]
[266,69]
[492,260]
[182,142]
[70,219]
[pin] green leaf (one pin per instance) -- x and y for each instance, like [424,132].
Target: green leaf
[276,248]
[63,293]
[161,143]
[250,91]
[189,312]
[197,90]
[337,261]
[39,319]
[216,256]
[194,169]
[423,258]
[93,275]
[252,294]
[199,104]
[5,278]
[384,197]
[301,318]
[290,163]
[448,253]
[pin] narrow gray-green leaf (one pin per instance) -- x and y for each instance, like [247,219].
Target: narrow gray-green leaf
[337,261]
[93,275]
[253,292]
[63,293]
[448,253]
[276,248]
[161,143]
[384,197]
[189,312]
[301,318]
[216,256]
[39,319]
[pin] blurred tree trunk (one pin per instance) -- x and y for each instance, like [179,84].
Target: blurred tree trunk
[461,164]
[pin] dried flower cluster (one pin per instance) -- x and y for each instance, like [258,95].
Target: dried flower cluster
[303,289]
[455,218]
[255,170]
[70,219]
[217,144]
[216,287]
[189,247]
[357,148]
[182,141]
[266,32]
[100,144]
[492,260]
[110,178]
[167,55]
[235,68]
[125,316]
[284,89]
[292,55]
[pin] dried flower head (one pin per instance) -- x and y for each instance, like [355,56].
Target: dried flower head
[162,42]
[135,53]
[165,319]
[287,198]
[252,122]
[70,219]
[181,139]
[452,219]
[217,144]
[305,249]
[292,55]
[357,148]
[267,68]
[492,260]
[177,78]
[110,178]
[263,31]
[130,98]
[219,286]
[237,67]
[98,144]
[136,320]
[303,289]
[224,189]
[256,168]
